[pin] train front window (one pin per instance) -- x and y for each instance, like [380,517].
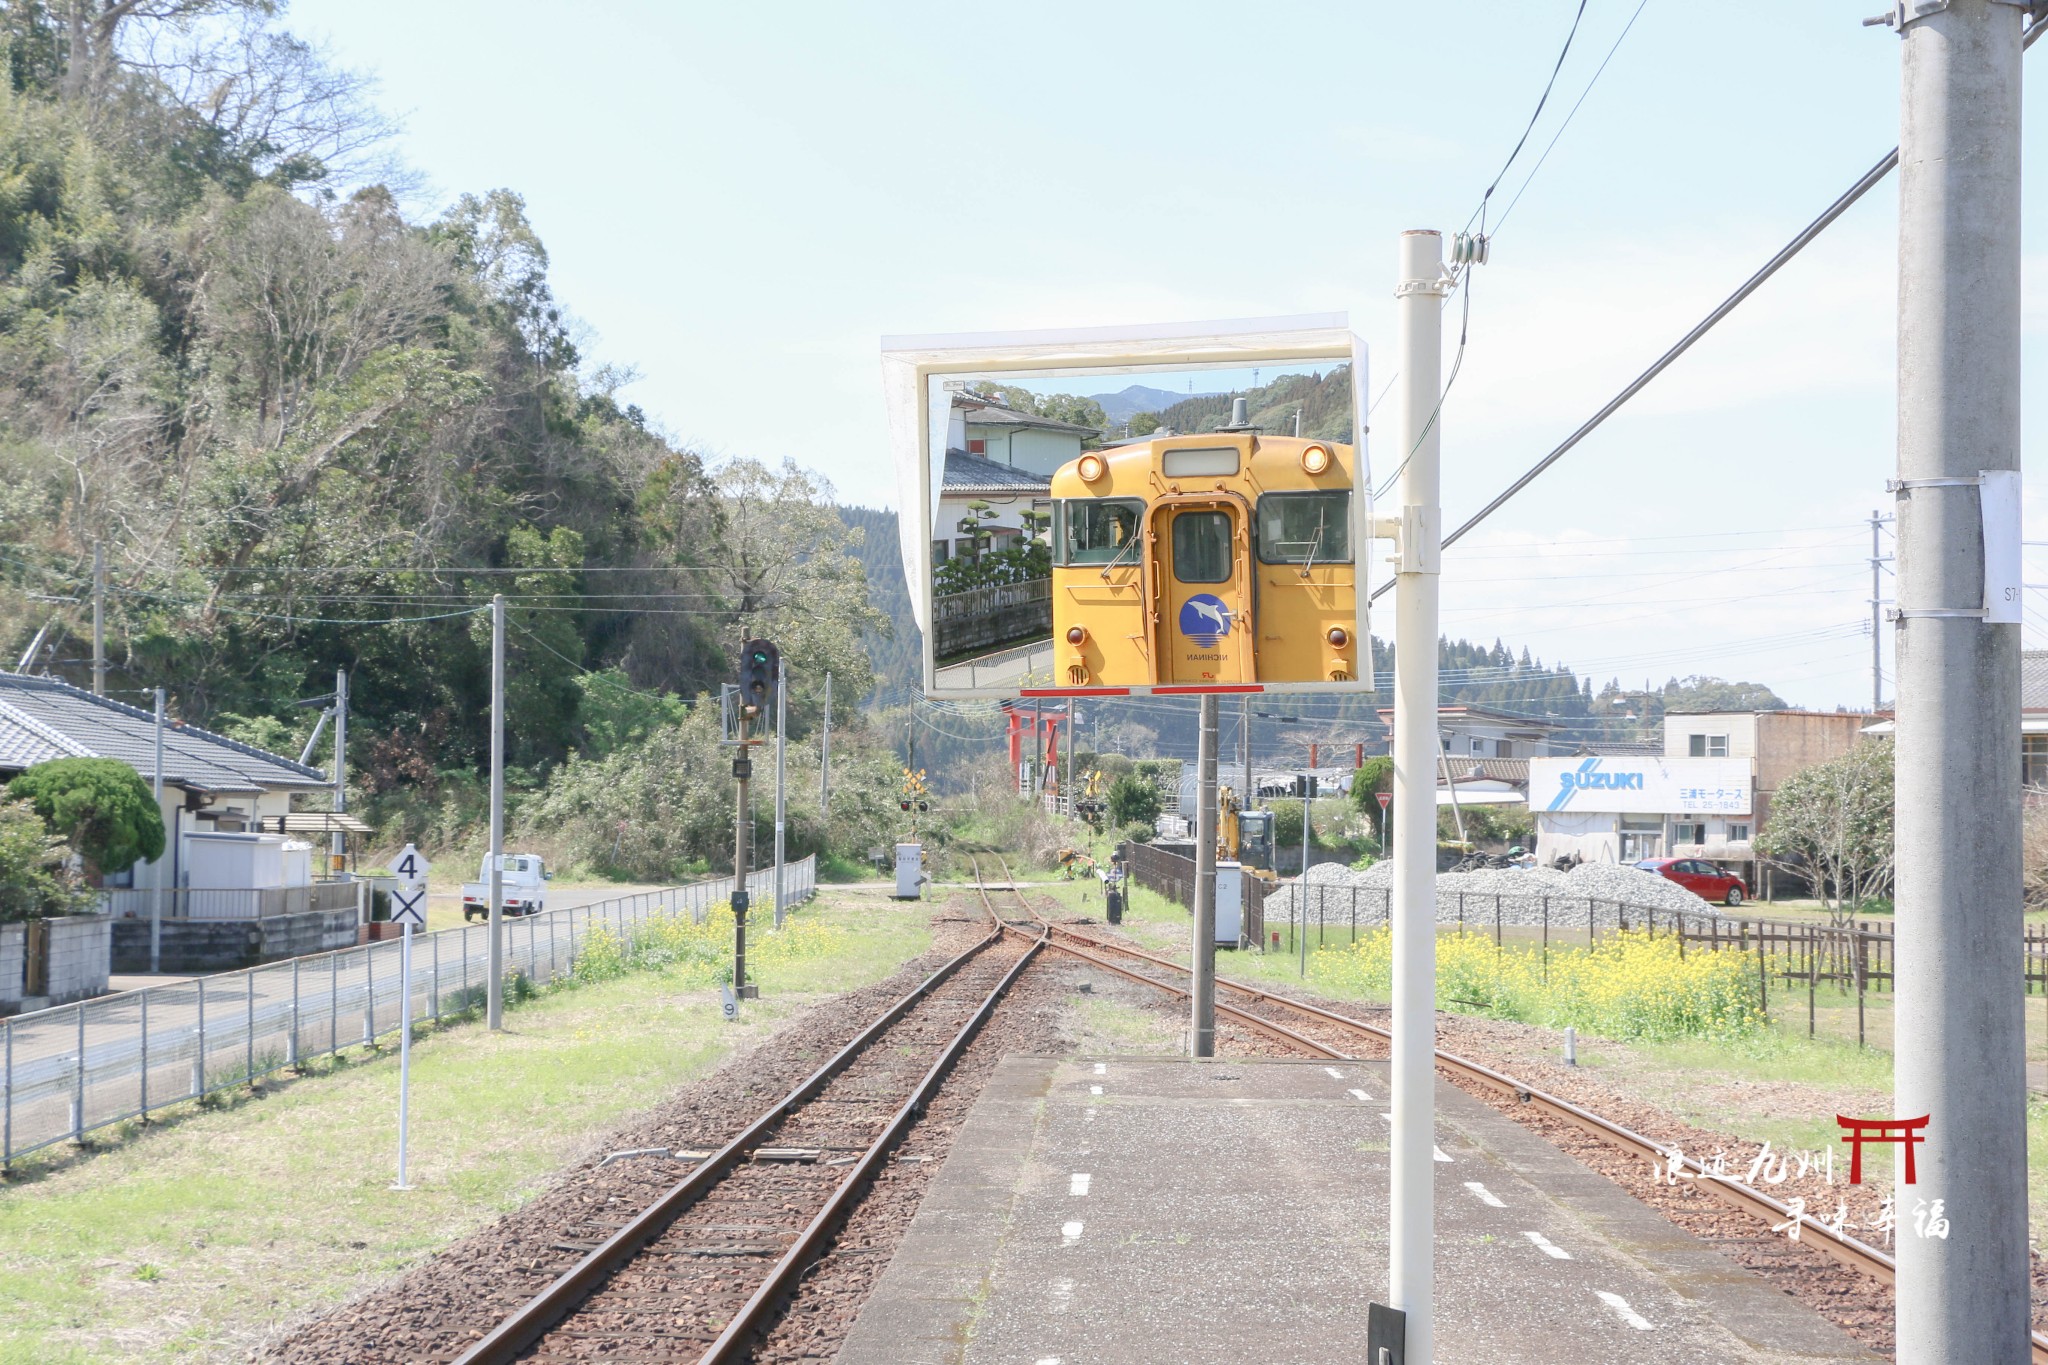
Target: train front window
[1305,528]
[1095,530]
[1201,547]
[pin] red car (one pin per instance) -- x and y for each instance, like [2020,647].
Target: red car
[1701,878]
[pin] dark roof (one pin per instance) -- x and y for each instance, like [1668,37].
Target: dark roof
[1455,711]
[972,474]
[979,412]
[46,718]
[2034,679]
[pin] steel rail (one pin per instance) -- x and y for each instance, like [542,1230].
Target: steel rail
[530,1322]
[735,1342]
[1849,1251]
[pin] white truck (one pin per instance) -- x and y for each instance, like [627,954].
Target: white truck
[522,882]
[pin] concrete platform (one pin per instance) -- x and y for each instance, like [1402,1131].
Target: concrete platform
[1134,1211]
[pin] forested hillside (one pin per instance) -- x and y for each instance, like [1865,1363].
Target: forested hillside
[312,432]
[1323,400]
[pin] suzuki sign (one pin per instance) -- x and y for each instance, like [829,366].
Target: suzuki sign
[1641,786]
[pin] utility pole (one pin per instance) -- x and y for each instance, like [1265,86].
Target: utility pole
[825,757]
[781,810]
[494,875]
[1301,887]
[1962,1297]
[99,620]
[1067,784]
[156,901]
[337,853]
[1202,998]
[1876,616]
[1246,798]
[1412,1274]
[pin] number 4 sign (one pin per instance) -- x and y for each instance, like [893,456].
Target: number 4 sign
[410,866]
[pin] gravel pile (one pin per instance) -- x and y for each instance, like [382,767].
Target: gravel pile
[1601,892]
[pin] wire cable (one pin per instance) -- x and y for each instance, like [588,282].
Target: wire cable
[1548,147]
[1479,214]
[1864,184]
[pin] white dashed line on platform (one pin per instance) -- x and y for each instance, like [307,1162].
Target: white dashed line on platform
[1095,1090]
[1077,1183]
[1360,1096]
[1626,1313]
[1440,1155]
[1486,1196]
[1102,1068]
[1070,1232]
[1333,1073]
[1547,1247]
[1062,1295]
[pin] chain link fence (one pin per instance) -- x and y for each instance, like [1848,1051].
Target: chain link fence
[70,1070]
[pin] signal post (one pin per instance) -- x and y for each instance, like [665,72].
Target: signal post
[760,670]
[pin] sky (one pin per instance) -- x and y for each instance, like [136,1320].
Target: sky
[740,201]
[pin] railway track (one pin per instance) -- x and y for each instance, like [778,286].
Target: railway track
[1323,1032]
[698,1273]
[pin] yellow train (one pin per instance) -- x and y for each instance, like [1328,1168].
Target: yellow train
[1227,558]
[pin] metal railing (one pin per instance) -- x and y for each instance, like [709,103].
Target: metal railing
[233,902]
[67,1071]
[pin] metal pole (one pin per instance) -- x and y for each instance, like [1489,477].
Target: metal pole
[494,875]
[742,772]
[1419,360]
[404,1045]
[781,811]
[825,757]
[1067,785]
[1202,998]
[99,620]
[156,899]
[338,847]
[1960,1048]
[1876,622]
[1247,798]
[1301,920]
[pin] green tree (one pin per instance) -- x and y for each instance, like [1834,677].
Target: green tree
[1376,776]
[101,807]
[1832,823]
[1133,800]
[32,880]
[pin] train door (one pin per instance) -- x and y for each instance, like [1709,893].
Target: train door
[1206,596]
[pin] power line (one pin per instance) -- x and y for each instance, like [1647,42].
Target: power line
[1479,214]
[1863,186]
[1573,113]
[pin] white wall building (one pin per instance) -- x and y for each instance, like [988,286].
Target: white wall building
[1622,810]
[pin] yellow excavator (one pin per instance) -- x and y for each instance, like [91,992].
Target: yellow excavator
[1245,835]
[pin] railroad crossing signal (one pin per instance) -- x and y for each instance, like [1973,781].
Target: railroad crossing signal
[758,663]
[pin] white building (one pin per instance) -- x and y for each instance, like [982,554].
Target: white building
[1621,810]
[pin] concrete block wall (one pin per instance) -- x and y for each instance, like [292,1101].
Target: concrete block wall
[13,965]
[219,945]
[81,956]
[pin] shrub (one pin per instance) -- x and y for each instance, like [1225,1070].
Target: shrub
[1137,832]
[100,806]
[1133,800]
[32,880]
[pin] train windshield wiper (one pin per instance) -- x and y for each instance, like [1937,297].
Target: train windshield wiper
[1128,546]
[1310,562]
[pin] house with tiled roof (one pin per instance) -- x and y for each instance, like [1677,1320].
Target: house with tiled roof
[212,785]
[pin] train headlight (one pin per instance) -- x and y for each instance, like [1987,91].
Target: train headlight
[1339,637]
[1093,467]
[1315,459]
[1076,634]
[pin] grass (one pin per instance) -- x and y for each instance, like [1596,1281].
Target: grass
[191,1239]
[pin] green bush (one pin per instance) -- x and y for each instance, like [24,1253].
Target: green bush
[100,806]
[32,880]
[1133,800]
[1137,832]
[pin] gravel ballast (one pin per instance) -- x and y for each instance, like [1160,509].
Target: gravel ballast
[1598,893]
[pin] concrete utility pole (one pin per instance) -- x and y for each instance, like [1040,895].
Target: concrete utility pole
[337,853]
[156,901]
[494,876]
[1246,798]
[825,757]
[1876,615]
[781,810]
[1959,1058]
[1419,358]
[1202,998]
[99,620]
[1068,787]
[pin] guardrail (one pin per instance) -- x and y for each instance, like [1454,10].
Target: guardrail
[67,1071]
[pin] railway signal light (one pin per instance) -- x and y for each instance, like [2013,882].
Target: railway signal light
[759,660]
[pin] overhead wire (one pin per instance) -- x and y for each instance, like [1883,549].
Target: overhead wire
[1569,116]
